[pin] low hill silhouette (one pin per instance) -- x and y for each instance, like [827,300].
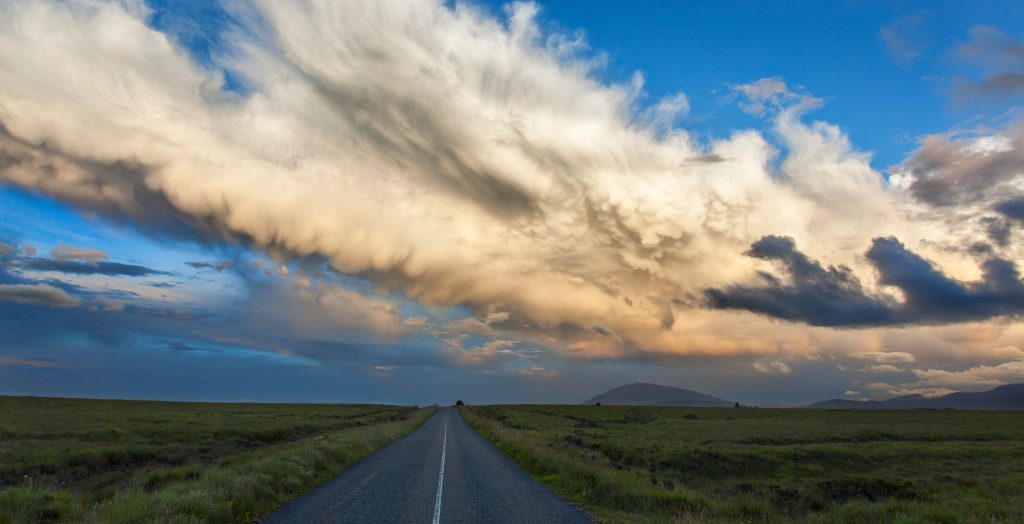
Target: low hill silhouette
[1008,397]
[641,394]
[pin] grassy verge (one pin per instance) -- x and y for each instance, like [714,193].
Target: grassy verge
[763,465]
[69,460]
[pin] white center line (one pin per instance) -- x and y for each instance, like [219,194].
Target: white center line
[440,476]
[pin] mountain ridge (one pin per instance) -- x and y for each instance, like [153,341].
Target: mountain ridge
[1008,397]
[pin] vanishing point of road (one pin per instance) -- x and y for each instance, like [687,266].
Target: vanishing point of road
[442,472]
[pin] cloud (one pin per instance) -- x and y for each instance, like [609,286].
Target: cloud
[772,367]
[999,56]
[71,266]
[1013,208]
[216,266]
[772,94]
[1005,373]
[834,297]
[6,249]
[452,159]
[491,352]
[28,362]
[37,294]
[885,357]
[817,295]
[538,372]
[313,309]
[998,230]
[883,368]
[905,37]
[932,382]
[65,252]
[965,167]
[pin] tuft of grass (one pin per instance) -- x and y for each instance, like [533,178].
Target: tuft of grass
[73,460]
[629,464]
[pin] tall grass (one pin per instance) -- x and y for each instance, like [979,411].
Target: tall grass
[759,465]
[116,461]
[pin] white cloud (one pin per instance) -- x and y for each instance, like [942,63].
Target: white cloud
[885,357]
[490,352]
[538,372]
[1005,373]
[883,368]
[772,94]
[772,367]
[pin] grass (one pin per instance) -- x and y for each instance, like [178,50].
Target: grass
[75,460]
[630,464]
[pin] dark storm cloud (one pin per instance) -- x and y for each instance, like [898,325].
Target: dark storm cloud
[75,267]
[833,296]
[821,296]
[216,266]
[998,230]
[1012,208]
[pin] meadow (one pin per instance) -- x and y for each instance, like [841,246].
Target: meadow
[76,460]
[640,464]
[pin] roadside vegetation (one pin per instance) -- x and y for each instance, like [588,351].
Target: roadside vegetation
[640,464]
[74,460]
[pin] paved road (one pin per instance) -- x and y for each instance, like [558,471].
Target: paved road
[442,472]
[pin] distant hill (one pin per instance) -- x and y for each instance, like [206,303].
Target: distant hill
[1008,397]
[656,395]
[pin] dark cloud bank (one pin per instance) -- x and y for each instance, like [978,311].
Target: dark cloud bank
[833,296]
[84,268]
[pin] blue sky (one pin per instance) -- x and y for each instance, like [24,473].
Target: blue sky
[833,49]
[310,223]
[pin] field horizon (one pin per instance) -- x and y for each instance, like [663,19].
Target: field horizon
[89,460]
[619,463]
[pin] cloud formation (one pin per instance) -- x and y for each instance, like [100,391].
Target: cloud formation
[64,252]
[961,167]
[37,294]
[461,160]
[999,56]
[70,266]
[834,297]
[905,37]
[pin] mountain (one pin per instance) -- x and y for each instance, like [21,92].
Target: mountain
[657,395]
[1008,397]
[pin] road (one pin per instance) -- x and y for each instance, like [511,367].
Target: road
[442,472]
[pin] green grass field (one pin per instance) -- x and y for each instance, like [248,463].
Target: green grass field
[71,460]
[626,464]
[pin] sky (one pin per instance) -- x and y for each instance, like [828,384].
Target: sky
[417,201]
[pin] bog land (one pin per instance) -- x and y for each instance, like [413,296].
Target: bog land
[75,460]
[670,464]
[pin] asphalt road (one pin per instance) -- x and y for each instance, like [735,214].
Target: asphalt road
[442,472]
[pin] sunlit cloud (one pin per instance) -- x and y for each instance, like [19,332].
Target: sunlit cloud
[430,172]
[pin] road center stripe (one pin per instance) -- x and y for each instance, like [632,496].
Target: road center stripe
[440,476]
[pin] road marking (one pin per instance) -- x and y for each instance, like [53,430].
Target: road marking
[440,476]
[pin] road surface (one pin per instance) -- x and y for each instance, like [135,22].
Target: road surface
[442,472]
